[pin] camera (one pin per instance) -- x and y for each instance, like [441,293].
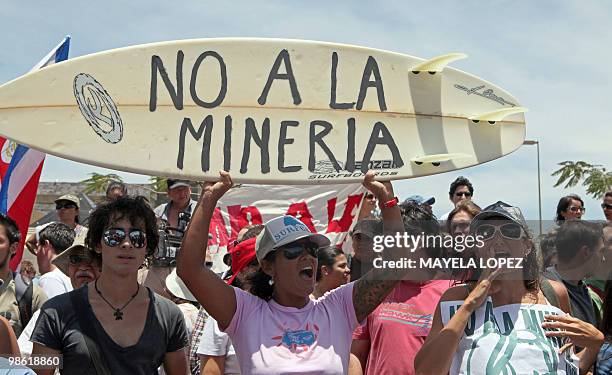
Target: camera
[170,239]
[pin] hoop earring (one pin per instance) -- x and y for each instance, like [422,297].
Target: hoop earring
[271,282]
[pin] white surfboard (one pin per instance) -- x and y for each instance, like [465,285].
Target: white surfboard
[267,110]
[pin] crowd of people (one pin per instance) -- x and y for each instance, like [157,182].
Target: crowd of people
[291,302]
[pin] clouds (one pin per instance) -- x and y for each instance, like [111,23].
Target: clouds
[552,55]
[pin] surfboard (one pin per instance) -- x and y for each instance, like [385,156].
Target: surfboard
[267,110]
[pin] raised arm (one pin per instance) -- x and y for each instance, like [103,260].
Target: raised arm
[217,298]
[370,290]
[436,355]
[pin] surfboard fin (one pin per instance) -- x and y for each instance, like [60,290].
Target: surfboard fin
[437,64]
[437,159]
[497,115]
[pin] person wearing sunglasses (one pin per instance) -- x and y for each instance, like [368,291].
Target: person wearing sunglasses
[367,207]
[503,323]
[77,264]
[216,350]
[569,207]
[67,208]
[403,319]
[114,325]
[461,189]
[606,206]
[277,328]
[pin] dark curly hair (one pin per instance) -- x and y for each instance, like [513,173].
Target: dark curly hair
[60,235]
[135,209]
[460,181]
[418,221]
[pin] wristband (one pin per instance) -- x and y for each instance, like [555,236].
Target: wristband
[392,203]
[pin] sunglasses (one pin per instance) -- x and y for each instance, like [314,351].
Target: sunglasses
[510,231]
[77,259]
[369,196]
[293,251]
[59,206]
[463,193]
[606,206]
[114,236]
[577,209]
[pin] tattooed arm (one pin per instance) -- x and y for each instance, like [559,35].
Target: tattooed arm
[370,290]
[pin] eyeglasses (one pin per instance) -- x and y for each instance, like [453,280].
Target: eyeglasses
[369,196]
[510,231]
[293,251]
[463,194]
[114,236]
[59,206]
[77,259]
[576,209]
[606,206]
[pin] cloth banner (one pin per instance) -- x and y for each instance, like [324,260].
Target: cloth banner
[328,209]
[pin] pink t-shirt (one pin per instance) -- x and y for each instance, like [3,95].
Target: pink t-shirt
[399,326]
[274,339]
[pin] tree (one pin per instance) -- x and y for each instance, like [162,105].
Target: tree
[594,177]
[159,187]
[97,183]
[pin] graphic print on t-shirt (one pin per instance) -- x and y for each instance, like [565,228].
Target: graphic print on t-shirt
[508,340]
[408,314]
[298,341]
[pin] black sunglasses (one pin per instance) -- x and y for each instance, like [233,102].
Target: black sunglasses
[114,236]
[511,231]
[292,251]
[606,206]
[76,259]
[463,193]
[59,206]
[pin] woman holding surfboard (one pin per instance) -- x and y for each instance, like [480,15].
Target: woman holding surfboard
[288,332]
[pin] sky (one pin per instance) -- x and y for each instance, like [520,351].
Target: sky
[551,55]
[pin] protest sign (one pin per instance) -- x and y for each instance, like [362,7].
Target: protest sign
[266,110]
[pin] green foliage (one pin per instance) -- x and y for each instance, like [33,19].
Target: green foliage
[594,177]
[97,183]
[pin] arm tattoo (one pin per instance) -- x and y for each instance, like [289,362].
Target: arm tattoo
[370,290]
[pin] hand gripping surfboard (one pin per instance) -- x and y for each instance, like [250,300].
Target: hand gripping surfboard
[267,110]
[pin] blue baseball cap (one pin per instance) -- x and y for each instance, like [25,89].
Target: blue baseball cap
[420,200]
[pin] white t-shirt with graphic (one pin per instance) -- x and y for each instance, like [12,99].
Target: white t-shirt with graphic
[274,339]
[508,339]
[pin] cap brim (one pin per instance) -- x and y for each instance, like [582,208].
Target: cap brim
[61,261]
[319,239]
[178,184]
[430,201]
[486,215]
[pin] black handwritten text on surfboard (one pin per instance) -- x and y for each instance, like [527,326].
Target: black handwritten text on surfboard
[258,133]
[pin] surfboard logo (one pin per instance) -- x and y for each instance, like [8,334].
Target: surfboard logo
[98,108]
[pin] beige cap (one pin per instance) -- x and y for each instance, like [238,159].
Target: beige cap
[77,248]
[69,197]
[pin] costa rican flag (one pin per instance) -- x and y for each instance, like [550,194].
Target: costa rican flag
[20,168]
